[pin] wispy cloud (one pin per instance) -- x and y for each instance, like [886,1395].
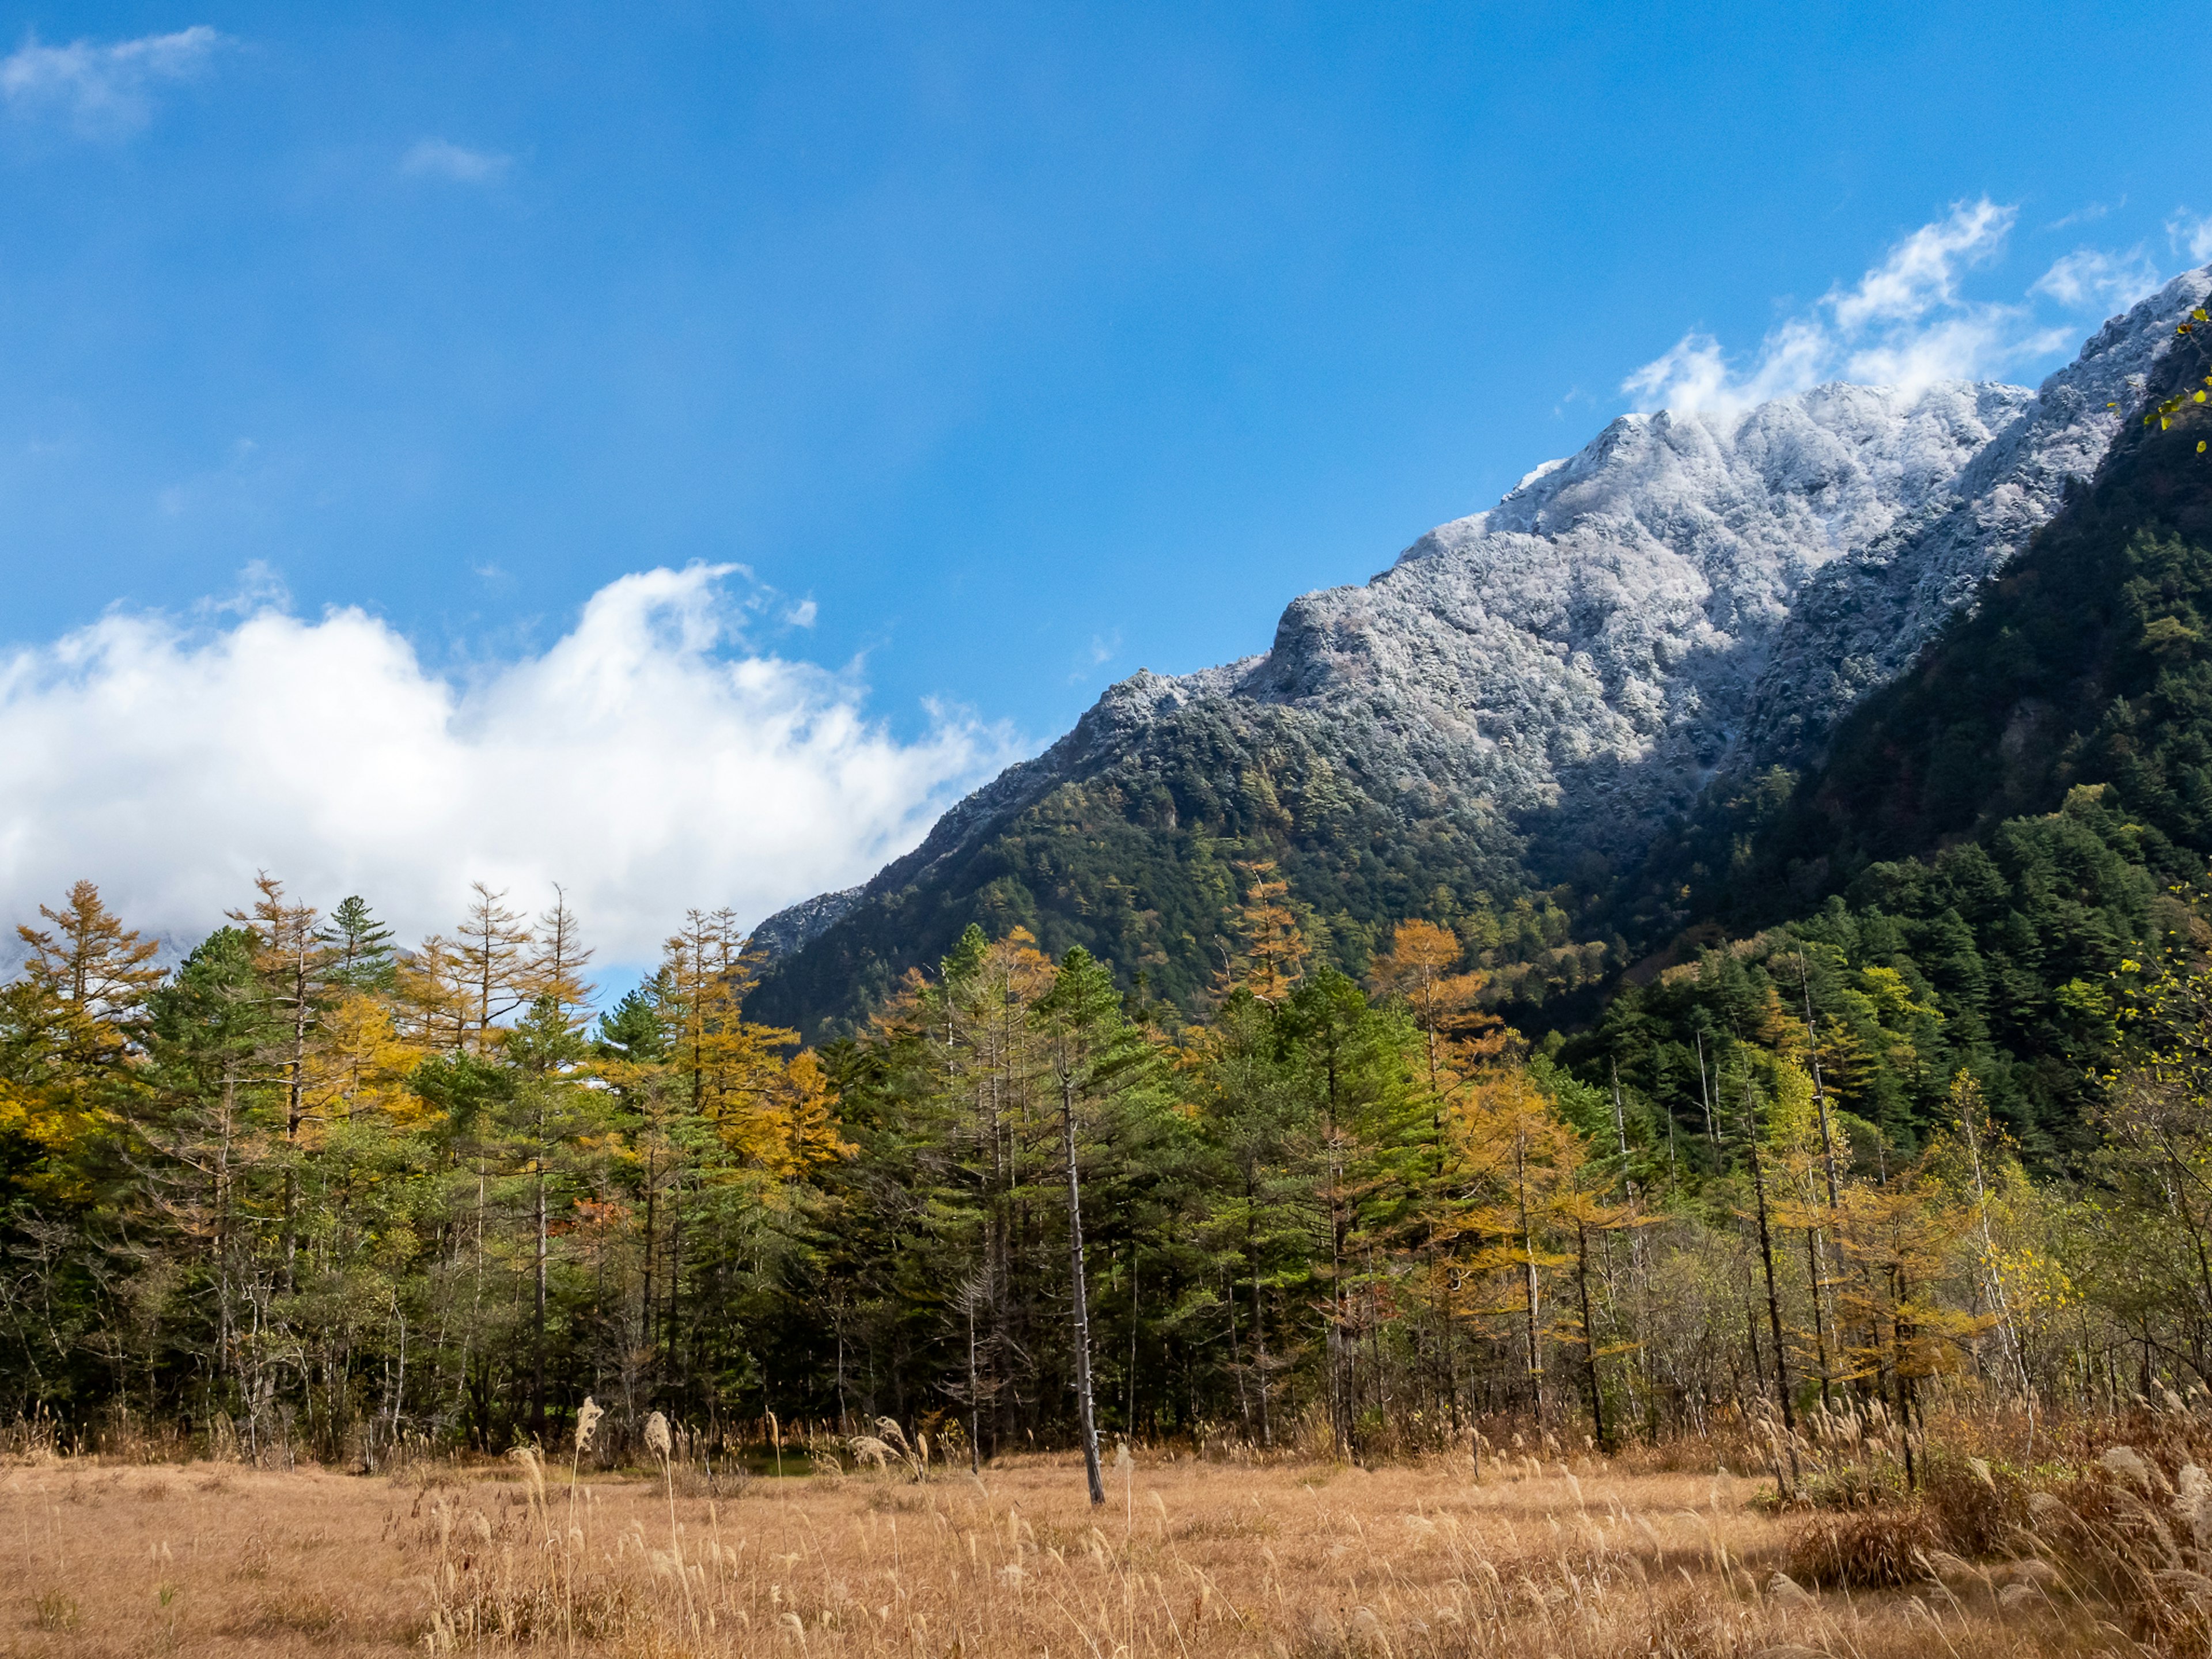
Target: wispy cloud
[1921,271]
[104,90]
[441,158]
[2090,277]
[1102,650]
[2191,234]
[645,760]
[1906,322]
[2086,215]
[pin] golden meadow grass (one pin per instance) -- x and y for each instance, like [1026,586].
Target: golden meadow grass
[1189,1558]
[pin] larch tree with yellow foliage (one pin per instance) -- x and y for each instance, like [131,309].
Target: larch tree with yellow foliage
[1512,1168]
[1268,956]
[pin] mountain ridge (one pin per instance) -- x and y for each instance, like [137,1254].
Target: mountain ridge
[1525,695]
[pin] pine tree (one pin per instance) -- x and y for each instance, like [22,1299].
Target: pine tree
[557,1121]
[1358,1157]
[361,953]
[216,1114]
[1098,1062]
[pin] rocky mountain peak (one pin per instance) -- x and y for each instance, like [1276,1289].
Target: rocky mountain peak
[1693,592]
[1696,589]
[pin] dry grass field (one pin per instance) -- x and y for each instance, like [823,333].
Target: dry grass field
[1188,1559]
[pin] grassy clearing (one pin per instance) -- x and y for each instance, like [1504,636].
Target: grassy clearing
[1189,1558]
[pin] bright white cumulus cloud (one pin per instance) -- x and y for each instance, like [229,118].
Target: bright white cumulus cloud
[1906,322]
[644,762]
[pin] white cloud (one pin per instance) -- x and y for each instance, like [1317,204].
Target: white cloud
[1921,271]
[2191,235]
[1695,375]
[441,158]
[1904,323]
[2086,215]
[1974,346]
[803,614]
[104,90]
[638,762]
[2091,277]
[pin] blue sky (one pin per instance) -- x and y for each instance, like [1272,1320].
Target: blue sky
[1005,349]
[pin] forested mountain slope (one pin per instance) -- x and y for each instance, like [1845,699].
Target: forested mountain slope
[1994,837]
[1492,728]
[2085,664]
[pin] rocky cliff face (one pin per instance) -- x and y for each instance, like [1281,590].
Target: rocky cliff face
[1692,593]
[1695,592]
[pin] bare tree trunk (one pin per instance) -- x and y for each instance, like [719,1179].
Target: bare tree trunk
[974,1411]
[1773,1296]
[399,1379]
[1638,1280]
[1589,1334]
[1086,1410]
[1823,1311]
[1529,1262]
[1705,1091]
[1236,1358]
[1129,1407]
[1444,1328]
[652,1238]
[1259,1318]
[1819,1318]
[296,1109]
[227,1313]
[1260,1361]
[537,1358]
[1342,1357]
[675,1269]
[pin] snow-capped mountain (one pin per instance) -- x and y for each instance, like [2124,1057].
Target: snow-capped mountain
[1691,593]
